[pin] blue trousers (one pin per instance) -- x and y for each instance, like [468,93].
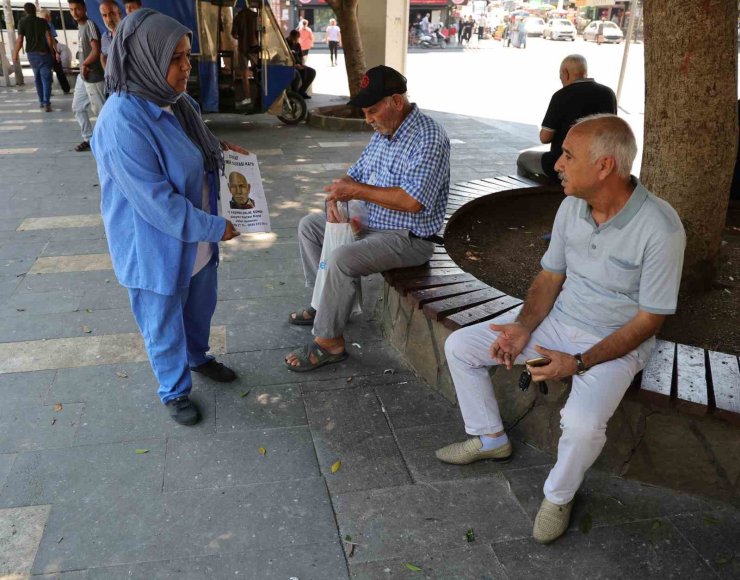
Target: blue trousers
[41,64]
[176,329]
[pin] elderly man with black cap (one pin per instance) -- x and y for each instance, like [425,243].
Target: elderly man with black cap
[402,178]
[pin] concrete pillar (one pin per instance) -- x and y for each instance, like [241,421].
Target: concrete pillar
[384,28]
[10,25]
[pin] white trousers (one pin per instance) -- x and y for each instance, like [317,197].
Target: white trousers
[593,399]
[87,95]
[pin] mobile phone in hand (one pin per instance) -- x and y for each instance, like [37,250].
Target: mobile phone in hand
[539,361]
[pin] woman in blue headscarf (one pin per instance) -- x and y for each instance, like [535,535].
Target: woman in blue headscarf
[158,165]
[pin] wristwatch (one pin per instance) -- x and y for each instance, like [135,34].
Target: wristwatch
[580,366]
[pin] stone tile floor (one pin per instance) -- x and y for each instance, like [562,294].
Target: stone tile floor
[96,482]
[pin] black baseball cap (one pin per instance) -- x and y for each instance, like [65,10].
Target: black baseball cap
[380,81]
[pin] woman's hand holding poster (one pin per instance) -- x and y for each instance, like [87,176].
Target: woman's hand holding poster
[242,197]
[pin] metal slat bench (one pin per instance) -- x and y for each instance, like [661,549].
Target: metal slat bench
[691,379]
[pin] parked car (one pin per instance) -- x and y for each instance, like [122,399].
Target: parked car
[534,25]
[559,29]
[612,32]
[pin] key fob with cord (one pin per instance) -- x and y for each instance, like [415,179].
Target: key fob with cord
[525,380]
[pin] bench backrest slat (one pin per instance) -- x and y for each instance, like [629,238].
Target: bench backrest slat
[725,372]
[441,308]
[409,284]
[658,374]
[420,297]
[692,393]
[482,312]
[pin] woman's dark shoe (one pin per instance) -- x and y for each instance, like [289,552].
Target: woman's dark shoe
[214,370]
[183,410]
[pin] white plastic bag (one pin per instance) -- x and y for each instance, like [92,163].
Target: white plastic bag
[335,236]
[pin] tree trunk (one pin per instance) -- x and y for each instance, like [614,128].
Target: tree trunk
[354,54]
[691,119]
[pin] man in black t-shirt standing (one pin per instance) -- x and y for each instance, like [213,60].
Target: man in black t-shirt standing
[580,97]
[40,52]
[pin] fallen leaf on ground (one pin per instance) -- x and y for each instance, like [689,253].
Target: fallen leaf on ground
[335,466]
[53,420]
[263,451]
[470,535]
[352,545]
[245,393]
[389,372]
[356,344]
[58,407]
[141,451]
[88,309]
[121,375]
[349,379]
[86,329]
[411,567]
[656,524]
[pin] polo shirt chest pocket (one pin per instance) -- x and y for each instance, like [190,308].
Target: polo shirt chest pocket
[623,274]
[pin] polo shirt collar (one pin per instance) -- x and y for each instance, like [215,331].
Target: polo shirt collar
[408,122]
[625,215]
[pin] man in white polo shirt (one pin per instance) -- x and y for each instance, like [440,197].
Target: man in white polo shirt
[609,278]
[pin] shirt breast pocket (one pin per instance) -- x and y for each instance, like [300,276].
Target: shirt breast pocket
[624,275]
[390,176]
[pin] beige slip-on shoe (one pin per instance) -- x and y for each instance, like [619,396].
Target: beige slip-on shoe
[551,522]
[469,451]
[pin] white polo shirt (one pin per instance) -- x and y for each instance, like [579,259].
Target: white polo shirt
[631,262]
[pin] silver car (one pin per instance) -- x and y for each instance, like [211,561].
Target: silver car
[559,29]
[612,32]
[534,25]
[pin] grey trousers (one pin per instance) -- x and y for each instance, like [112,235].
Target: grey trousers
[376,251]
[530,162]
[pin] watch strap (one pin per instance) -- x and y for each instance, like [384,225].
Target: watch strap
[580,366]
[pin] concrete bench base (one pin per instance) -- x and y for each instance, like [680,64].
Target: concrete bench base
[650,443]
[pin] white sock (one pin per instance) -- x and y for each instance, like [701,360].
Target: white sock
[490,443]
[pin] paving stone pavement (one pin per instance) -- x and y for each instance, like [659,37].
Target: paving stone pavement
[96,482]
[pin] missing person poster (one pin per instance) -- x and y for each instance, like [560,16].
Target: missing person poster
[242,197]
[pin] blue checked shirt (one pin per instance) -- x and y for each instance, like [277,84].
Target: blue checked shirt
[416,159]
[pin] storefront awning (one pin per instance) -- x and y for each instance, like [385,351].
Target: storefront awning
[595,3]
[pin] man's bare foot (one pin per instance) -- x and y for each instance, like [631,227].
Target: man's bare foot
[330,345]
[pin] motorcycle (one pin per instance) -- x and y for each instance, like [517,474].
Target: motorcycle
[432,40]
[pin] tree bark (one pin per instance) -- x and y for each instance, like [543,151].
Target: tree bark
[354,54]
[691,119]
